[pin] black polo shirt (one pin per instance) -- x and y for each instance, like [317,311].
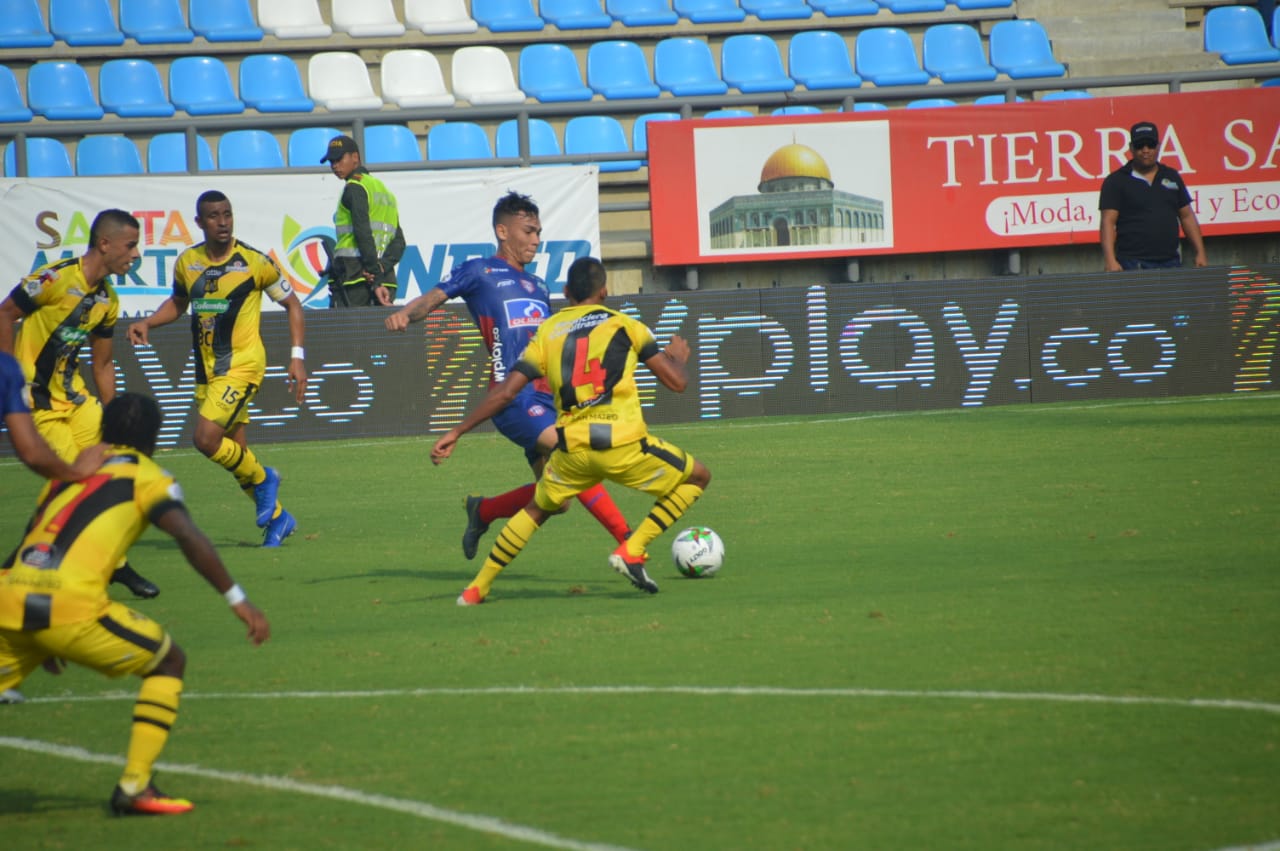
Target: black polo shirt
[1147,228]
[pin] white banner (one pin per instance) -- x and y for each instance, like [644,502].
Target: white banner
[447,217]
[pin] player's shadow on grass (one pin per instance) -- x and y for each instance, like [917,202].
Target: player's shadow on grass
[35,802]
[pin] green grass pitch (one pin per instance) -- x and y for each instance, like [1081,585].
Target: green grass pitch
[1029,627]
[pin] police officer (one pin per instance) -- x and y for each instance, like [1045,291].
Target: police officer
[369,240]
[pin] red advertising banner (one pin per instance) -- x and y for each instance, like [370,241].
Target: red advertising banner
[948,179]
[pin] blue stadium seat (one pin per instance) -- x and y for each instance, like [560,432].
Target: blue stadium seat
[307,145]
[844,8]
[45,158]
[271,82]
[752,63]
[201,85]
[60,91]
[797,109]
[981,4]
[131,88]
[106,155]
[642,13]
[953,53]
[988,100]
[241,149]
[154,22]
[819,59]
[391,143]
[730,112]
[887,57]
[930,103]
[1067,94]
[167,153]
[1275,81]
[619,71]
[574,14]
[685,67]
[224,20]
[906,7]
[501,16]
[599,134]
[549,73]
[778,10]
[458,140]
[639,129]
[22,25]
[1238,35]
[84,23]
[543,141]
[1021,49]
[868,106]
[12,106]
[709,11]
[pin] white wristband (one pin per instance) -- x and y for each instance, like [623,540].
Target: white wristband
[235,595]
[298,353]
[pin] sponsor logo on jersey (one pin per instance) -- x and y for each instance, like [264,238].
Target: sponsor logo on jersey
[72,336]
[41,556]
[1169,184]
[529,286]
[525,313]
[210,305]
[537,410]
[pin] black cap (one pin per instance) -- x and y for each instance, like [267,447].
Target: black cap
[338,147]
[1144,131]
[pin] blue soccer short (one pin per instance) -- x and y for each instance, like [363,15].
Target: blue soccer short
[528,416]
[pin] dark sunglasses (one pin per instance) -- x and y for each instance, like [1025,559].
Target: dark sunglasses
[1138,146]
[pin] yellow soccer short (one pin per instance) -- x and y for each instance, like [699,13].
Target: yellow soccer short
[119,642]
[71,429]
[225,400]
[650,465]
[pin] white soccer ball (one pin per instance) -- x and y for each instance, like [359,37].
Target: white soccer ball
[697,552]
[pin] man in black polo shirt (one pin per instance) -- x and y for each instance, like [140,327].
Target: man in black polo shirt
[1143,203]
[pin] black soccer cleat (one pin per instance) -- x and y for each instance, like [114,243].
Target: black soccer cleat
[475,526]
[141,587]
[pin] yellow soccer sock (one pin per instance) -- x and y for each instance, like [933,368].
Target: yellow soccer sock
[661,517]
[240,462]
[511,540]
[153,715]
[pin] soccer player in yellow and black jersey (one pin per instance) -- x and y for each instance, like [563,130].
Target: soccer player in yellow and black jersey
[588,353]
[53,601]
[222,280]
[62,306]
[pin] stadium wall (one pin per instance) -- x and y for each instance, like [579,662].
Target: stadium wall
[792,350]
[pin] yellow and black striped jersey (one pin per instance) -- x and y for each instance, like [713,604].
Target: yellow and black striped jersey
[76,539]
[226,308]
[588,354]
[61,313]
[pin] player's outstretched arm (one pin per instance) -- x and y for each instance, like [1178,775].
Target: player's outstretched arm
[415,310]
[168,311]
[668,364]
[202,556]
[40,457]
[297,331]
[499,397]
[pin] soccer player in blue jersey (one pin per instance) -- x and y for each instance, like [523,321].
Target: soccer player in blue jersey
[508,304]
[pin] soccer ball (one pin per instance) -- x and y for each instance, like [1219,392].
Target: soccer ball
[697,552]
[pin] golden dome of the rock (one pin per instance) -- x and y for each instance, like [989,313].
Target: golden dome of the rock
[795,160]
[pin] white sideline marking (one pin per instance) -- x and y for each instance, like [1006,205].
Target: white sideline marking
[483,824]
[751,691]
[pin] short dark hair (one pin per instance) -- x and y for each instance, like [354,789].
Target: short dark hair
[211,196]
[108,222]
[513,204]
[132,419]
[586,278]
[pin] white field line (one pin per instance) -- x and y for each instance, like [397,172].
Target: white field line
[715,691]
[777,422]
[483,824]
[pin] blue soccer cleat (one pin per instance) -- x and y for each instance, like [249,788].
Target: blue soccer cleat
[279,529]
[264,496]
